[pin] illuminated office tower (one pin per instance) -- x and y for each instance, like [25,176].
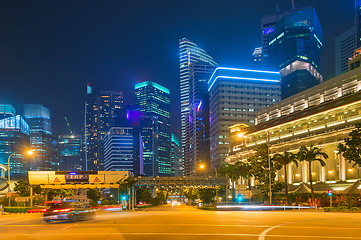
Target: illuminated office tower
[102,110]
[197,126]
[153,100]
[235,95]
[175,155]
[295,50]
[148,127]
[7,110]
[70,152]
[14,138]
[122,150]
[189,52]
[43,143]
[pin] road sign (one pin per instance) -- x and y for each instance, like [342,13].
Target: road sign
[74,179]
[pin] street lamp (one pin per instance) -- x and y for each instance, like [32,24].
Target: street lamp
[9,192]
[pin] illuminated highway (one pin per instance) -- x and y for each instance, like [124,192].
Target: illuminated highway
[184,222]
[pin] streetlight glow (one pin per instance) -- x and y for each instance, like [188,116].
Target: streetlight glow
[201,166]
[240,135]
[30,152]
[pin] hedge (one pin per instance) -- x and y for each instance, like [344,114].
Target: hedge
[16,209]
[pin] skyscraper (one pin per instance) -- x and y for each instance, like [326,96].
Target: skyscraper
[235,95]
[71,155]
[175,155]
[14,138]
[197,125]
[122,150]
[153,100]
[295,49]
[148,127]
[189,52]
[102,109]
[7,110]
[348,42]
[257,58]
[43,143]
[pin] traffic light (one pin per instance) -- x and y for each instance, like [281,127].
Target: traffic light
[124,198]
[240,198]
[329,193]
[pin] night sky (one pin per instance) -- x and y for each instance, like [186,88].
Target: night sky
[50,50]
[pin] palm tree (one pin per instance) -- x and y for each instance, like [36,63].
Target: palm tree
[285,159]
[235,171]
[311,155]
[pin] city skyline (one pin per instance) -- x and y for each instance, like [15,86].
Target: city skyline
[58,66]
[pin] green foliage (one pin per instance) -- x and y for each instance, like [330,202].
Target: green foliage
[161,198]
[125,185]
[16,209]
[62,193]
[190,193]
[144,195]
[235,171]
[94,195]
[351,150]
[22,188]
[313,154]
[109,200]
[341,209]
[206,195]
[259,168]
[285,159]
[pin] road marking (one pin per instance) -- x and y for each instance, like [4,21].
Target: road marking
[69,226]
[264,233]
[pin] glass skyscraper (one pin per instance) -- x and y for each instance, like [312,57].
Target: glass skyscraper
[70,152]
[197,126]
[295,46]
[153,100]
[102,110]
[189,52]
[122,150]
[175,156]
[235,95]
[41,138]
[14,138]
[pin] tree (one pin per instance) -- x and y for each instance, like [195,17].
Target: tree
[285,159]
[235,171]
[206,194]
[191,194]
[144,195]
[351,150]
[94,195]
[259,168]
[62,193]
[311,155]
[22,188]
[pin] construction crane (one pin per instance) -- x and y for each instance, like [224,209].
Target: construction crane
[67,123]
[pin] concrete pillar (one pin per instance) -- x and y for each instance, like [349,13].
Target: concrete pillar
[276,178]
[289,173]
[342,168]
[323,174]
[304,171]
[252,181]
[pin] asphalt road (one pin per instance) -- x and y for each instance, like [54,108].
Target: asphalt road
[184,222]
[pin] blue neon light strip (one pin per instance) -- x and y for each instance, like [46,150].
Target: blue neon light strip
[318,39]
[241,78]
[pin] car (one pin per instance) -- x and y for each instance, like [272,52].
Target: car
[68,211]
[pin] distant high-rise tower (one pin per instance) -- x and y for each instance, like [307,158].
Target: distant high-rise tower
[7,110]
[348,42]
[14,139]
[189,52]
[295,50]
[197,127]
[70,152]
[175,155]
[154,101]
[102,108]
[41,138]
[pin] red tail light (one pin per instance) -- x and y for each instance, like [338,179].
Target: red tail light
[62,210]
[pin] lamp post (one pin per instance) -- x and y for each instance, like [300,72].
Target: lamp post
[9,191]
[9,194]
[215,169]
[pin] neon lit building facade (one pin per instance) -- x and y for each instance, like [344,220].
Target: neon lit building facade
[70,152]
[235,95]
[175,155]
[295,49]
[154,101]
[43,143]
[323,116]
[189,52]
[14,138]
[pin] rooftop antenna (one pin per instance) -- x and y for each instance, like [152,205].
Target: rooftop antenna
[67,123]
[293,6]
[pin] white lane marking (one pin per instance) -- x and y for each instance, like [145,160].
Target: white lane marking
[69,226]
[264,233]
